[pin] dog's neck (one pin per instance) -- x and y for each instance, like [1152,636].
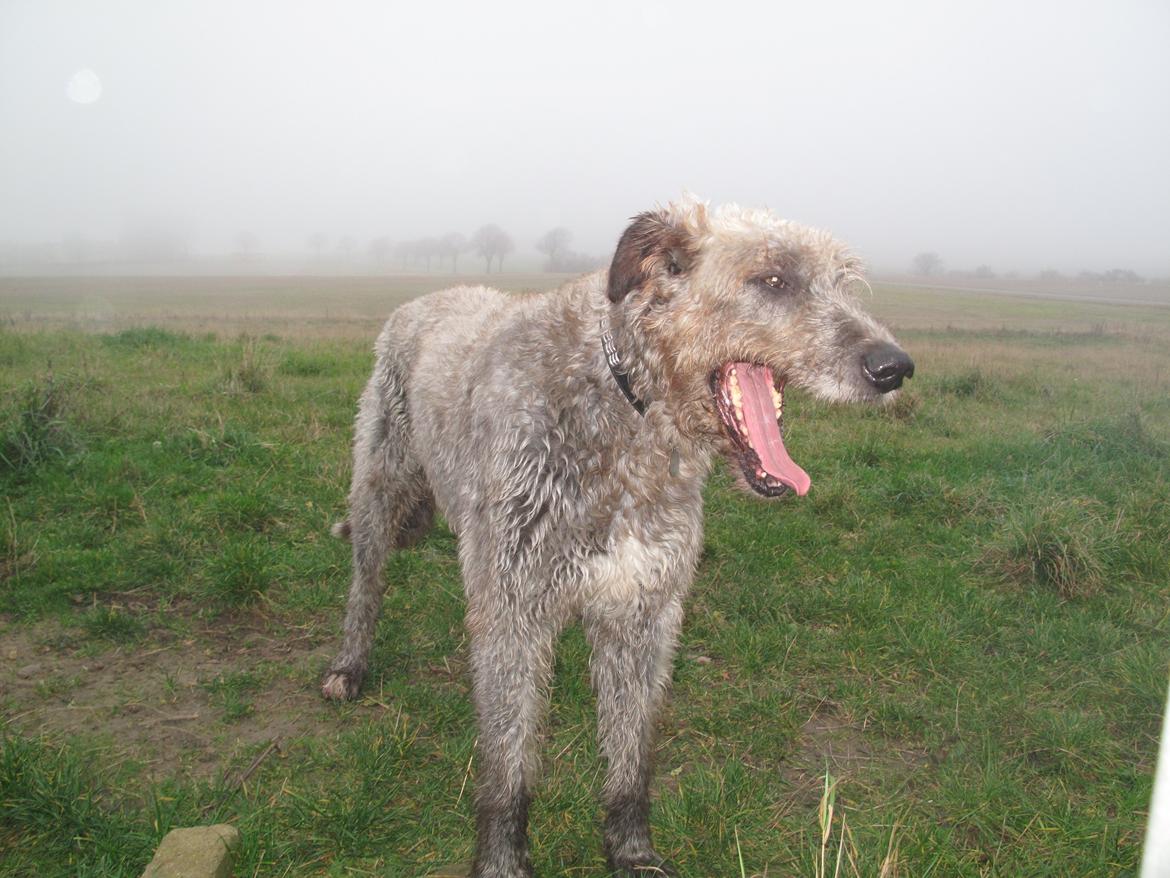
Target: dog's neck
[613,359]
[634,361]
[625,364]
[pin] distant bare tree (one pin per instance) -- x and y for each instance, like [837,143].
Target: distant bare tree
[450,246]
[316,242]
[504,246]
[246,244]
[927,264]
[492,242]
[984,272]
[380,249]
[428,249]
[554,244]
[345,246]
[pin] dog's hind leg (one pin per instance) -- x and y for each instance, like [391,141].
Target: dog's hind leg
[390,506]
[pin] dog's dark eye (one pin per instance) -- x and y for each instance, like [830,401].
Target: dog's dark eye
[776,282]
[673,267]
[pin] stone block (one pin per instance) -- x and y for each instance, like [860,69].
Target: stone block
[196,852]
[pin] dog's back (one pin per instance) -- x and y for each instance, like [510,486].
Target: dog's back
[477,368]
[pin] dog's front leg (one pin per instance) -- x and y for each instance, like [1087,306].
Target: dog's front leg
[511,664]
[630,666]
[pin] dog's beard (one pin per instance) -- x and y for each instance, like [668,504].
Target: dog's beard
[751,406]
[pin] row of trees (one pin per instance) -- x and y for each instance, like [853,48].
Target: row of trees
[490,243]
[162,241]
[931,265]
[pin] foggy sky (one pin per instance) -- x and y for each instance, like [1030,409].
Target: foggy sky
[1022,135]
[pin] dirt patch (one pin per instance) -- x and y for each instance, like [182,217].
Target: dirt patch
[199,704]
[833,741]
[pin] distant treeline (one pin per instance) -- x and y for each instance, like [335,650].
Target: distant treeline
[931,265]
[170,243]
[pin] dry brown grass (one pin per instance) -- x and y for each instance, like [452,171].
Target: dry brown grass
[292,306]
[303,306]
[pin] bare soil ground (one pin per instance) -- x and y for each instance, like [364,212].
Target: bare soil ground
[156,701]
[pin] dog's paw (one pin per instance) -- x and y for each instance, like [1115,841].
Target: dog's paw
[340,686]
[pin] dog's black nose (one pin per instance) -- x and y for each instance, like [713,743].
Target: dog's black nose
[885,365]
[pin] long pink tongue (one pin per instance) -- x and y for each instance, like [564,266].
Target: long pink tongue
[759,415]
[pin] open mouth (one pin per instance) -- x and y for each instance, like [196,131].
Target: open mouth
[751,406]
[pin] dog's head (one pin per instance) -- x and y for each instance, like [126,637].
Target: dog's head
[724,309]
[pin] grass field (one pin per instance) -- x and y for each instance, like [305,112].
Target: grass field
[964,624]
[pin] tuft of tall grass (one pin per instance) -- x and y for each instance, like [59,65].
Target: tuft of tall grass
[250,373]
[16,552]
[842,852]
[972,384]
[36,430]
[1064,544]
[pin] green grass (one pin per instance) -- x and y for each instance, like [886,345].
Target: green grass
[36,429]
[112,624]
[233,692]
[958,639]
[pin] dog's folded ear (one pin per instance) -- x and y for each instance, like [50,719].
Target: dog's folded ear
[652,244]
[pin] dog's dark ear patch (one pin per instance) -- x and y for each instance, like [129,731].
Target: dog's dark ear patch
[650,243]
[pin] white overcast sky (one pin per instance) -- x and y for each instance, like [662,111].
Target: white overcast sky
[1022,134]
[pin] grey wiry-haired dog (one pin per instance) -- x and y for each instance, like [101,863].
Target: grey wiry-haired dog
[566,438]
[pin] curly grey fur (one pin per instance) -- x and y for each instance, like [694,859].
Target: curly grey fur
[501,412]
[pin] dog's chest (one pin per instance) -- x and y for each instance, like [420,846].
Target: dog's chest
[650,538]
[636,572]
